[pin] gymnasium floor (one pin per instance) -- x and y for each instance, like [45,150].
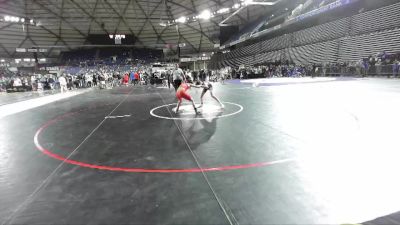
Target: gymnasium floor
[8,98]
[321,152]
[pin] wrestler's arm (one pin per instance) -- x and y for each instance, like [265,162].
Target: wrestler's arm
[196,86]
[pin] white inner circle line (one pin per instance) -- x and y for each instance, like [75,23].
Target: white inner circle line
[195,118]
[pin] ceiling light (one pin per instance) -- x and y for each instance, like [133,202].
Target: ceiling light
[2,60]
[27,60]
[22,20]
[223,10]
[236,6]
[13,19]
[181,19]
[31,21]
[248,2]
[163,24]
[252,2]
[205,15]
[7,18]
[42,60]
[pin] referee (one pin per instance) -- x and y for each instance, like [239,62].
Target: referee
[178,77]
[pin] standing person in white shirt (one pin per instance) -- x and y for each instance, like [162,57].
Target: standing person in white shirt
[63,84]
[33,83]
[17,82]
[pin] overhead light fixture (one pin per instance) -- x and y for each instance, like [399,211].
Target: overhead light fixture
[31,21]
[206,14]
[2,60]
[236,6]
[42,60]
[15,19]
[27,59]
[181,19]
[223,10]
[248,2]
[11,19]
[253,2]
[162,24]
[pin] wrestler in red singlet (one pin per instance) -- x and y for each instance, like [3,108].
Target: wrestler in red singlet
[182,93]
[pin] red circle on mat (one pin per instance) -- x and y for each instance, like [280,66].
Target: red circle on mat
[51,154]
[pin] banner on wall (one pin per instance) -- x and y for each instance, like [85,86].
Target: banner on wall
[195,59]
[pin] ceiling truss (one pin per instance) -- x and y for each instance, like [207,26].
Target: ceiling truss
[66,24]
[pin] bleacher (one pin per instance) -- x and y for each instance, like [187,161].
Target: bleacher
[353,48]
[276,43]
[347,39]
[314,53]
[105,56]
[327,31]
[268,57]
[78,55]
[387,17]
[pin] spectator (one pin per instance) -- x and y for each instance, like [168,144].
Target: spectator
[17,82]
[126,79]
[136,78]
[395,67]
[63,83]
[132,77]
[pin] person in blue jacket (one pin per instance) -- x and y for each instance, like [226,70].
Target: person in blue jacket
[132,77]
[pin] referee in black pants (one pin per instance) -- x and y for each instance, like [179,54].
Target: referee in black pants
[178,77]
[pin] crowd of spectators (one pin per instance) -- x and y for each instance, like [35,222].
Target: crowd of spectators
[21,82]
[97,75]
[382,64]
[102,75]
[110,56]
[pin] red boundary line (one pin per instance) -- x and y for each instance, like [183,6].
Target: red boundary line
[139,170]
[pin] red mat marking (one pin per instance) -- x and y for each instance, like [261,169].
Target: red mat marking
[140,170]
